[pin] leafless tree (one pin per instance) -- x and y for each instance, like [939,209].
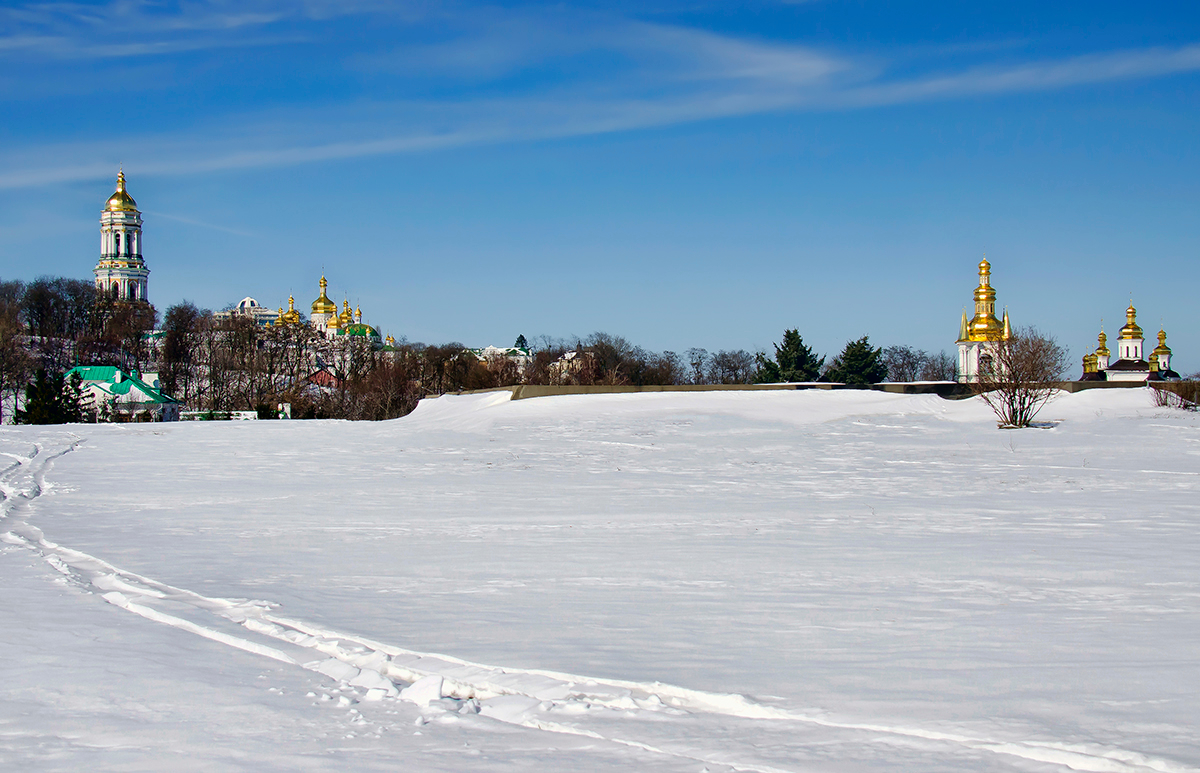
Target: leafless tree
[1019,376]
[732,367]
[904,363]
[939,367]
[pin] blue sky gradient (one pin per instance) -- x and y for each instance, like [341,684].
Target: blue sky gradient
[679,173]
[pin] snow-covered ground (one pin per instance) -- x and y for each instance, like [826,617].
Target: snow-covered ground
[761,581]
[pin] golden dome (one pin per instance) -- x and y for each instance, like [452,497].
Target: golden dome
[121,201]
[1162,347]
[323,305]
[1131,330]
[347,315]
[984,326]
[334,322]
[291,316]
[1102,349]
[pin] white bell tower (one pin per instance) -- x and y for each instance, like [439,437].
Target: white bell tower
[121,272]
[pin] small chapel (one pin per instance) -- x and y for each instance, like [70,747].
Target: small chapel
[979,335]
[1130,364]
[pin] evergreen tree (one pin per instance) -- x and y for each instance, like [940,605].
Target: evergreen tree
[51,400]
[858,364]
[521,342]
[793,361]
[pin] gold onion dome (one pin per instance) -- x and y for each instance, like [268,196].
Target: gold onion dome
[984,326]
[1162,347]
[347,315]
[291,316]
[1102,349]
[1131,329]
[323,305]
[121,201]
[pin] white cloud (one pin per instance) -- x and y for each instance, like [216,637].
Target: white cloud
[604,74]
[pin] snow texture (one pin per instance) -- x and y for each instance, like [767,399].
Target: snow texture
[749,581]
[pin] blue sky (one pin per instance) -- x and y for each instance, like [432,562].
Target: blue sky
[678,173]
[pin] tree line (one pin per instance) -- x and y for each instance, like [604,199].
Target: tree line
[53,323]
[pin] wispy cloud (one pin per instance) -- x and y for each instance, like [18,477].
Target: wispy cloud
[599,74]
[77,30]
[1034,76]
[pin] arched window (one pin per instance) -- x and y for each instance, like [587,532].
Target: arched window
[117,242]
[116,290]
[133,291]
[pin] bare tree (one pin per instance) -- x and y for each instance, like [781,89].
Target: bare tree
[700,364]
[904,363]
[1019,376]
[15,363]
[732,367]
[939,367]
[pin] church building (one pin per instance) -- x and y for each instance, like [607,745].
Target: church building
[1131,364]
[978,336]
[121,272]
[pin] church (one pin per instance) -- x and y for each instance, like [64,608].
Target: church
[979,335]
[1130,364]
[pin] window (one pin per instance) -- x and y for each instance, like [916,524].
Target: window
[117,242]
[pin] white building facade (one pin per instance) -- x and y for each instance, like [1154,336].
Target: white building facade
[121,272]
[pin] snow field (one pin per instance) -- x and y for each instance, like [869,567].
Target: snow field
[733,581]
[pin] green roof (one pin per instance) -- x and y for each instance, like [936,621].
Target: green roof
[106,376]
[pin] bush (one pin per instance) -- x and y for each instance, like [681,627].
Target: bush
[1020,376]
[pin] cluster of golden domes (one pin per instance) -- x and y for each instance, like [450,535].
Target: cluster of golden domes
[289,317]
[1130,331]
[325,317]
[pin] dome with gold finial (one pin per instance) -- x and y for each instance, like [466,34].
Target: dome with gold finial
[984,326]
[1162,347]
[291,316]
[347,317]
[1102,339]
[323,305]
[121,201]
[1130,331]
[278,318]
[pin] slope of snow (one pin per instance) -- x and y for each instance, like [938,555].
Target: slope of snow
[771,581]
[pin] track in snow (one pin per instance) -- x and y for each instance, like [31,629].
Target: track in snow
[710,726]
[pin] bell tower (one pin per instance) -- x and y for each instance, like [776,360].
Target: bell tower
[121,272]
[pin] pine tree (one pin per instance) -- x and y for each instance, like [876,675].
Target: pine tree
[793,361]
[43,400]
[858,364]
[521,343]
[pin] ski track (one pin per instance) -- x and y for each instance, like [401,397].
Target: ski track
[515,696]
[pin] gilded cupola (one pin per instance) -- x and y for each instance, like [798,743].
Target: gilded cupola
[121,201]
[323,305]
[347,315]
[1102,349]
[1131,331]
[1162,347]
[291,316]
[984,326]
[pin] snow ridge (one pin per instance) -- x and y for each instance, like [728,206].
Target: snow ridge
[544,700]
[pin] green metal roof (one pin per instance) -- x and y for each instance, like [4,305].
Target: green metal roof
[106,375]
